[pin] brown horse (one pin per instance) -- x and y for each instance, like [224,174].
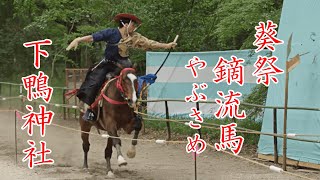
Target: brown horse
[118,103]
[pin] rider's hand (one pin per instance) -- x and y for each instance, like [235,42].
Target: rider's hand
[171,45]
[73,44]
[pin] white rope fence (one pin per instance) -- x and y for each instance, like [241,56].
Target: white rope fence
[158,141]
[16,84]
[209,125]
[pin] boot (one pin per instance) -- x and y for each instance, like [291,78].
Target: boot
[89,115]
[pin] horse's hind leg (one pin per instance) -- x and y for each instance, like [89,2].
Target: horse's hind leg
[107,155]
[85,127]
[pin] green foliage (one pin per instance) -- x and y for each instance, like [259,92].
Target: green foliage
[258,96]
[204,25]
[209,134]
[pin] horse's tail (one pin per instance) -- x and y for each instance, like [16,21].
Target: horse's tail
[71,93]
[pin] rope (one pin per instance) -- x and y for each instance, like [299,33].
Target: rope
[16,84]
[208,101]
[103,135]
[8,98]
[248,131]
[205,125]
[241,103]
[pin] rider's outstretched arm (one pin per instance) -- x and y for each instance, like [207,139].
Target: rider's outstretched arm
[76,41]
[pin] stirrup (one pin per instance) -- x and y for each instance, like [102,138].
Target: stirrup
[89,115]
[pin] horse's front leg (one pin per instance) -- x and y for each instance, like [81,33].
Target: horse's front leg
[117,144]
[131,153]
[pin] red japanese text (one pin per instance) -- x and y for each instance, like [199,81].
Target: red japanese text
[40,119]
[231,71]
[266,70]
[195,97]
[230,107]
[197,115]
[229,139]
[195,61]
[265,36]
[193,143]
[31,154]
[40,86]
[37,51]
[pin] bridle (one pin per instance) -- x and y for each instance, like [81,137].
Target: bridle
[119,83]
[119,86]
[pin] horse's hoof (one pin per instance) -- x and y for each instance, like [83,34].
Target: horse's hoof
[121,161]
[131,153]
[85,169]
[110,175]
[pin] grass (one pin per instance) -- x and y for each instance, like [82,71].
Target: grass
[207,133]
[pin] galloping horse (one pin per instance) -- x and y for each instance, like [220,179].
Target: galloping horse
[118,103]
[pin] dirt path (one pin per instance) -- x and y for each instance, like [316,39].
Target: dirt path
[153,161]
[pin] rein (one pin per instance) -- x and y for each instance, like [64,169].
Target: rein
[111,101]
[118,86]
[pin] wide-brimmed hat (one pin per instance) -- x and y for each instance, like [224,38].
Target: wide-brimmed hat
[120,16]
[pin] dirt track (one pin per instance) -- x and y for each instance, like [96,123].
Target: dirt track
[153,161]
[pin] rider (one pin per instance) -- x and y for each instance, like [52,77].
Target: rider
[118,40]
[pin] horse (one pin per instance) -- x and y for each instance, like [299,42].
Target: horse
[119,99]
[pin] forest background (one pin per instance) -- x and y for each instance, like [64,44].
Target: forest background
[203,25]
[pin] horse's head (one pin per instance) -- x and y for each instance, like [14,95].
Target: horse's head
[127,84]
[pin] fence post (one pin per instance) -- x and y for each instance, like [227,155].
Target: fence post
[10,94]
[22,98]
[64,102]
[198,109]
[275,138]
[15,137]
[195,154]
[168,123]
[284,163]
[67,101]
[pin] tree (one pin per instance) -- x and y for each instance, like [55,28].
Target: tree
[203,25]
